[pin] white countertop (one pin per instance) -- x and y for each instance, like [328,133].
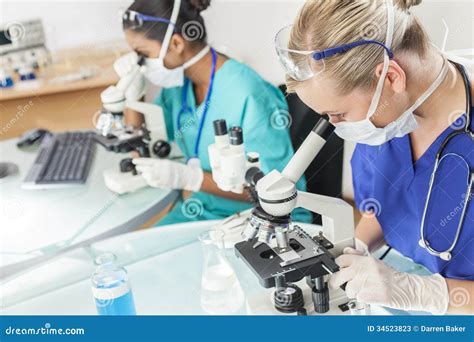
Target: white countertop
[165,269]
[39,223]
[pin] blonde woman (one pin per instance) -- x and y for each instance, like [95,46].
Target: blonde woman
[369,65]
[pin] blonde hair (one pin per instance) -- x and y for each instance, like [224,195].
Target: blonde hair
[326,23]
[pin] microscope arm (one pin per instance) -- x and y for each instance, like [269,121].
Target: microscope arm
[278,195]
[337,216]
[127,80]
[154,118]
[277,190]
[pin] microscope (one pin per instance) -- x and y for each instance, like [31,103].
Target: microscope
[279,252]
[148,140]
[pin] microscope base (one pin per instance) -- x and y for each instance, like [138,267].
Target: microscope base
[123,182]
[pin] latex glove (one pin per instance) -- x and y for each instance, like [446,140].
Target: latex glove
[164,173]
[371,281]
[361,247]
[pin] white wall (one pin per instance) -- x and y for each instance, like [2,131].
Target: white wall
[243,29]
[69,23]
[248,28]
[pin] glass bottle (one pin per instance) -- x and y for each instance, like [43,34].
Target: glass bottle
[111,287]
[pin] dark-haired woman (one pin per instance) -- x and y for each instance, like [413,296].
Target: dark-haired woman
[199,85]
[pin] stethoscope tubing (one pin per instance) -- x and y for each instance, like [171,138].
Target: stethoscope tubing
[466,130]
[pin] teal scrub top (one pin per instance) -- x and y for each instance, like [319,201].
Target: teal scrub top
[242,98]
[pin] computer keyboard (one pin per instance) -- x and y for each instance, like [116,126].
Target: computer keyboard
[63,159]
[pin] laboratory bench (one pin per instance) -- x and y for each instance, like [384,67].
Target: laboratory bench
[38,225]
[59,99]
[165,267]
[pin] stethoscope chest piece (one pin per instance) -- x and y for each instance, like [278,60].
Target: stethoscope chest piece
[422,244]
[446,256]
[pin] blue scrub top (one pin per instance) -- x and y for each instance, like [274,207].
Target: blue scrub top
[242,98]
[387,181]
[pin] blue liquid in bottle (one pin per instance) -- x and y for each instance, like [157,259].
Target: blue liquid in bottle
[111,288]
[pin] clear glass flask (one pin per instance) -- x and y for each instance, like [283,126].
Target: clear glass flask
[111,287]
[221,293]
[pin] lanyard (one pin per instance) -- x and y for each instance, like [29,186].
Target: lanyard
[206,104]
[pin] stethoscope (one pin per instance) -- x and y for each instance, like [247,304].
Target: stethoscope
[446,254]
[206,104]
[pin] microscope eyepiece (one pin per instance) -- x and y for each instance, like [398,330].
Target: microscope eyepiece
[141,60]
[236,136]
[253,175]
[324,128]
[220,127]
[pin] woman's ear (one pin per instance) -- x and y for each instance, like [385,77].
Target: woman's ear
[177,44]
[396,76]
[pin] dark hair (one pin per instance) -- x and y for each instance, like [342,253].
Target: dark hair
[190,23]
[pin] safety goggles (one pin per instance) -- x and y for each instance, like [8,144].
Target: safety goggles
[137,19]
[302,65]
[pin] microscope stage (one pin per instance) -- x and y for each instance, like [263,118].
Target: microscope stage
[266,263]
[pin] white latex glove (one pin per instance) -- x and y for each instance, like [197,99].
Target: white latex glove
[361,247]
[371,281]
[164,173]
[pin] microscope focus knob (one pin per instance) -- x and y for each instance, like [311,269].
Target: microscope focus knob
[126,165]
[321,298]
[161,149]
[289,299]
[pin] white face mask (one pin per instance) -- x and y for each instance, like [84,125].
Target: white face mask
[160,75]
[365,131]
[156,71]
